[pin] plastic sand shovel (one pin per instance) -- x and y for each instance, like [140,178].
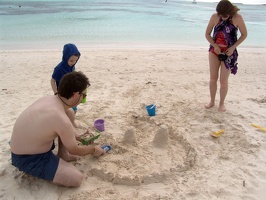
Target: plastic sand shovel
[88,141]
[217,133]
[259,127]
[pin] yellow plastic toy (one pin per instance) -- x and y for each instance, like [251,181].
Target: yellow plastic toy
[259,127]
[217,133]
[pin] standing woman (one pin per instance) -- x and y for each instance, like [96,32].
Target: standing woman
[222,52]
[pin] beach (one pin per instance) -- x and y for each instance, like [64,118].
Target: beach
[171,155]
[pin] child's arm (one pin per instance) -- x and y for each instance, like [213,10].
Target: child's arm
[53,84]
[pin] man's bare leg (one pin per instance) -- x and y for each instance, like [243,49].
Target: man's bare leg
[67,175]
[64,154]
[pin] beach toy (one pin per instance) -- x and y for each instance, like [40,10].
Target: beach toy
[106,148]
[85,141]
[151,109]
[84,99]
[259,127]
[97,131]
[217,133]
[99,125]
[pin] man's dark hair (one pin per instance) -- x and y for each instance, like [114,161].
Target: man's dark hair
[72,82]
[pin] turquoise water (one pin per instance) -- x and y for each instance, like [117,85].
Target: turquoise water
[49,24]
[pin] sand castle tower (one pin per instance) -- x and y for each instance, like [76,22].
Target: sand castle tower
[129,137]
[161,138]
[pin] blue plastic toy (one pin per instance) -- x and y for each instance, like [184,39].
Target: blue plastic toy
[106,148]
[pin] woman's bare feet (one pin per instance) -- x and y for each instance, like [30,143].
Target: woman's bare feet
[210,105]
[222,108]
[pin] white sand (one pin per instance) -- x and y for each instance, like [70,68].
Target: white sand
[169,156]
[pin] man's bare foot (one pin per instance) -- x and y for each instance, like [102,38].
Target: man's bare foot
[67,156]
[222,108]
[210,105]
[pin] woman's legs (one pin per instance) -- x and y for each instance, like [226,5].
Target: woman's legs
[214,64]
[224,75]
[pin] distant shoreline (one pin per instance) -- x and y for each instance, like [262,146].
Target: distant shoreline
[131,48]
[81,45]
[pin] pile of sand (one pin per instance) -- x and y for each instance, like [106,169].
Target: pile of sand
[168,156]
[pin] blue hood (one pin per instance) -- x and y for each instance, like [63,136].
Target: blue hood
[68,51]
[63,68]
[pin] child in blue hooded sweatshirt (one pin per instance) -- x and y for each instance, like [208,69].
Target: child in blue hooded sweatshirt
[70,57]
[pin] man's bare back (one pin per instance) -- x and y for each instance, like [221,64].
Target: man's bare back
[36,128]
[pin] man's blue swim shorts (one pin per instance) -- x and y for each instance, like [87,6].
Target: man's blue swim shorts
[43,165]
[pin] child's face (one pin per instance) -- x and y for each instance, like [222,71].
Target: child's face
[72,60]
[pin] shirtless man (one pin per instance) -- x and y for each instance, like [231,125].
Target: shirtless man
[36,128]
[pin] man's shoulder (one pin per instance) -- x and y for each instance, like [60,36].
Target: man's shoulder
[51,106]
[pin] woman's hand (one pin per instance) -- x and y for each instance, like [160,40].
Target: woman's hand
[217,49]
[230,51]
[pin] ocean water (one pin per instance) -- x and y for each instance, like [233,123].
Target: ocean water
[52,23]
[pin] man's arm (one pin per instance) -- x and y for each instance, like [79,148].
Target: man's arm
[66,132]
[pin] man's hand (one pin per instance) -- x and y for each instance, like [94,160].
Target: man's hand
[98,151]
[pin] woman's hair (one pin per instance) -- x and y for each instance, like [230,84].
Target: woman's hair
[72,82]
[225,8]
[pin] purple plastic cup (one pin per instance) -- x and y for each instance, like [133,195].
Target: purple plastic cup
[99,125]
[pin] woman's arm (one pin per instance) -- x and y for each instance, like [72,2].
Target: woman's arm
[213,21]
[209,28]
[238,22]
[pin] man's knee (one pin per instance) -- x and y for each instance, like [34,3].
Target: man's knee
[72,181]
[78,180]
[68,177]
